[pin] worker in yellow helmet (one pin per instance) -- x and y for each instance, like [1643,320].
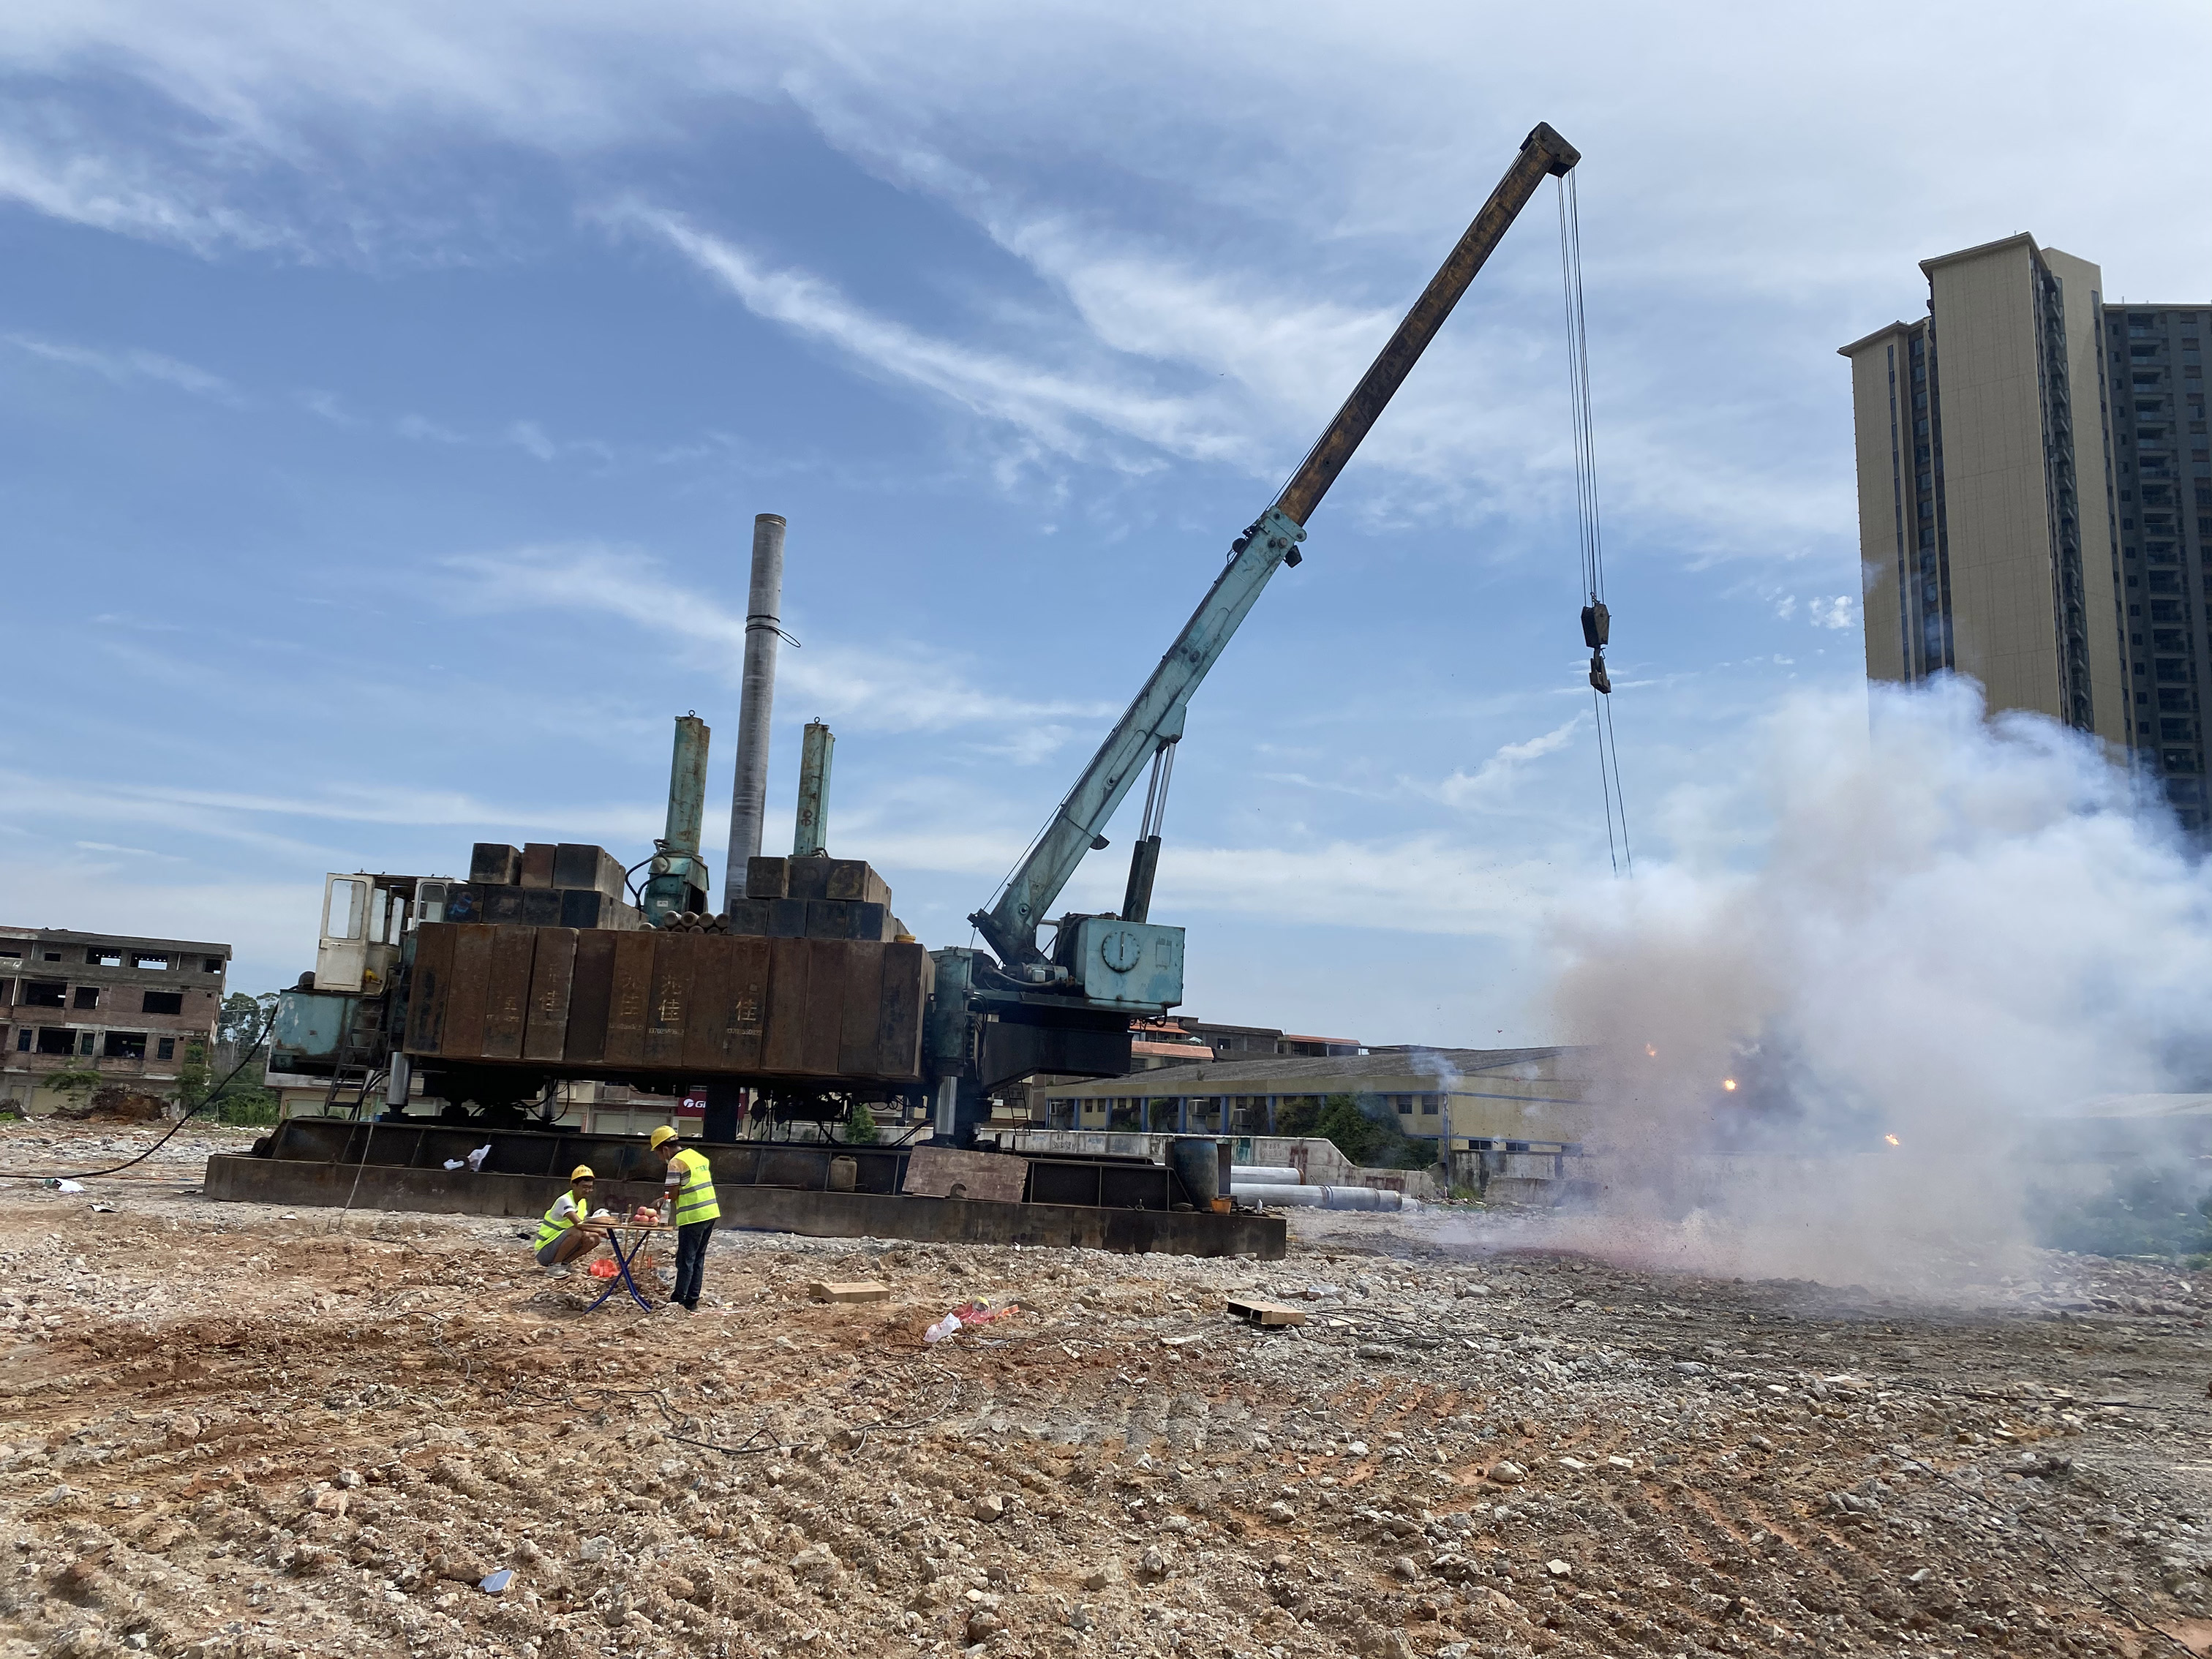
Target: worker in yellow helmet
[568,1230]
[688,1200]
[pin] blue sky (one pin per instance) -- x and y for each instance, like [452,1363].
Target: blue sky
[385,395]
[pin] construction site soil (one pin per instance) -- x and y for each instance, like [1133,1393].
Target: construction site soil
[233,1431]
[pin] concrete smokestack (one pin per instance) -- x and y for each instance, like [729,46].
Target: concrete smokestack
[756,703]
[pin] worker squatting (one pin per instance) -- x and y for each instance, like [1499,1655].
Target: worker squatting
[572,1228]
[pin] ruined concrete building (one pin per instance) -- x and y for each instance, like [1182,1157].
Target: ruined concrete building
[132,1011]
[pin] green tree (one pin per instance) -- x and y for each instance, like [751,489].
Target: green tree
[1371,1139]
[74,1083]
[192,1076]
[240,1023]
[860,1125]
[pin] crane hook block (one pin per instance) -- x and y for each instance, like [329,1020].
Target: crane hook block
[1597,626]
[1600,680]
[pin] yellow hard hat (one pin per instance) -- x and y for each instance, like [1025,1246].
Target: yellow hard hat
[661,1136]
[582,1172]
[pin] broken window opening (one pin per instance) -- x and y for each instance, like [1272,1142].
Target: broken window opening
[163,1002]
[214,965]
[126,1045]
[45,993]
[100,957]
[153,964]
[57,1040]
[85,996]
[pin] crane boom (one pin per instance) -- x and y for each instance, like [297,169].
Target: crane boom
[1156,717]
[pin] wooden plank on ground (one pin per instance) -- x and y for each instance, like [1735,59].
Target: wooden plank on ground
[1255,1311]
[465,1010]
[899,1026]
[507,992]
[783,1043]
[850,1290]
[588,997]
[430,988]
[943,1172]
[630,999]
[552,985]
[860,1013]
[825,998]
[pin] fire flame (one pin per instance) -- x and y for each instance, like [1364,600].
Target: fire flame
[1728,1084]
[1891,1139]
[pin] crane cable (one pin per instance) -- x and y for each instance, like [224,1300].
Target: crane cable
[1597,619]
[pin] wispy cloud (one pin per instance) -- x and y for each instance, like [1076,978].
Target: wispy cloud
[1496,776]
[278,823]
[1065,412]
[130,365]
[883,686]
[1840,612]
[69,178]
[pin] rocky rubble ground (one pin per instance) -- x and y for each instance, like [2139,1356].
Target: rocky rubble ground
[233,1431]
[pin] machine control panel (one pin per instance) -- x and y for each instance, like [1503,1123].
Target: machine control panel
[1129,964]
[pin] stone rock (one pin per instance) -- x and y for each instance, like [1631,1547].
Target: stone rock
[815,1561]
[1506,1473]
[983,1624]
[1098,1578]
[330,1502]
[1281,1512]
[596,1549]
[1559,1568]
[1405,1568]
[989,1507]
[1154,1565]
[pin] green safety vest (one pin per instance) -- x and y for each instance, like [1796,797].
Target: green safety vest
[552,1227]
[695,1198]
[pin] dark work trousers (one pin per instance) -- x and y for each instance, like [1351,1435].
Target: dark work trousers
[691,1260]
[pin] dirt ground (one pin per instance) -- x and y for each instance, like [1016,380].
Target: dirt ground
[235,1431]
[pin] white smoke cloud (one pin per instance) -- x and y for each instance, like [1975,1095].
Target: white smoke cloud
[1940,927]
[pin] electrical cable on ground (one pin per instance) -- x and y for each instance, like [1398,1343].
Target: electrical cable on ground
[214,1095]
[1596,618]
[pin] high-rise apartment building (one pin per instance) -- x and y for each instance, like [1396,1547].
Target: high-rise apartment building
[2153,368]
[2002,441]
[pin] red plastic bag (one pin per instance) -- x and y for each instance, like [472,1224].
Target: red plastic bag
[603,1268]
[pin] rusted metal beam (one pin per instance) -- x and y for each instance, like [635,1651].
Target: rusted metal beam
[1543,154]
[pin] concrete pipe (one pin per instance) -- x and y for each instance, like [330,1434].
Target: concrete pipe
[1270,1174]
[1320,1198]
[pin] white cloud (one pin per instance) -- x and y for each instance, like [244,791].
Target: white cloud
[1057,410]
[121,194]
[124,366]
[882,686]
[1497,776]
[276,824]
[1221,270]
[1841,611]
